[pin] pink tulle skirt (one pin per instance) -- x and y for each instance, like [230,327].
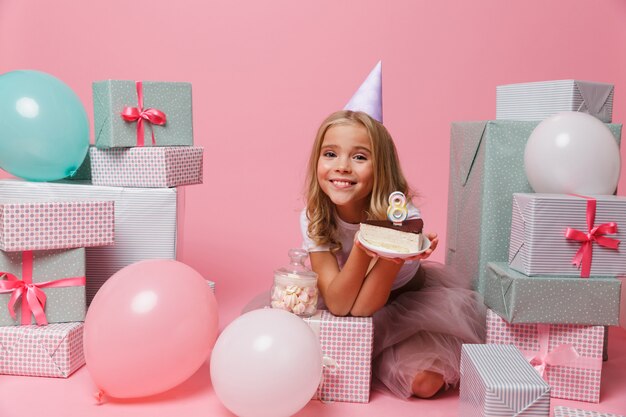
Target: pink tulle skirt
[423,330]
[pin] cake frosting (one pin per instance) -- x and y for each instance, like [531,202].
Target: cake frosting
[402,238]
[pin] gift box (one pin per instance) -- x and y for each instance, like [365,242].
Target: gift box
[347,344]
[522,299]
[29,224]
[143,113]
[486,169]
[146,222]
[58,274]
[622,308]
[567,356]
[550,235]
[147,167]
[496,381]
[55,350]
[575,412]
[538,100]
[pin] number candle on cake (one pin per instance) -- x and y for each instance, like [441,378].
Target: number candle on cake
[395,234]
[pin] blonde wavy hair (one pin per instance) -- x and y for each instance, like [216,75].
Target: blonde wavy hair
[388,177]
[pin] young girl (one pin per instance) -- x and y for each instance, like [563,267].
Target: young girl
[422,312]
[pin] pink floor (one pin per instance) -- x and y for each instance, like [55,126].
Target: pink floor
[26,396]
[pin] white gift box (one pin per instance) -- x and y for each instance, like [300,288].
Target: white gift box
[539,100]
[145,222]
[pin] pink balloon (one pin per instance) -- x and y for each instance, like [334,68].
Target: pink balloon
[266,363]
[149,328]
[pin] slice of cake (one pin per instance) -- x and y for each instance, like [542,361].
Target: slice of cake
[403,238]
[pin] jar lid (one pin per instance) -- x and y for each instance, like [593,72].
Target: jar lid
[296,267]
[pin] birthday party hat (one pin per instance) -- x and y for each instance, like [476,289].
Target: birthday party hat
[369,97]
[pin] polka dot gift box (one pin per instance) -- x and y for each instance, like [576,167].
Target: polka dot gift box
[48,224]
[486,168]
[574,412]
[347,344]
[55,350]
[567,356]
[58,275]
[551,299]
[148,167]
[142,113]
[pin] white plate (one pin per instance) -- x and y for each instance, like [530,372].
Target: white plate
[386,253]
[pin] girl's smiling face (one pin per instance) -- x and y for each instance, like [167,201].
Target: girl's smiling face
[344,170]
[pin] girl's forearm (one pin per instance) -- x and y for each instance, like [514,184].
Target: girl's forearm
[342,290]
[376,287]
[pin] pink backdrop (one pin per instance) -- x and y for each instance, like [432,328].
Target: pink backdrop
[266,73]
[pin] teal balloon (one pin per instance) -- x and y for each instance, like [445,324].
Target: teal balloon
[44,130]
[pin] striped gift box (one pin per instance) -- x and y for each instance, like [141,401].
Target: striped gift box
[145,222]
[538,100]
[575,412]
[539,246]
[150,167]
[496,381]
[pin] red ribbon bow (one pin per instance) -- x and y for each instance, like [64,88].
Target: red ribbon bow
[594,234]
[139,115]
[33,298]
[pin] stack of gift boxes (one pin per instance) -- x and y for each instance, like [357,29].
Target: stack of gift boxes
[546,264]
[42,262]
[57,239]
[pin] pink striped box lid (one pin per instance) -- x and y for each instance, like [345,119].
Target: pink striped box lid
[347,344]
[575,382]
[55,350]
[147,167]
[55,224]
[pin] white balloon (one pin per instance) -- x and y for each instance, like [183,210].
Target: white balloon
[266,363]
[572,152]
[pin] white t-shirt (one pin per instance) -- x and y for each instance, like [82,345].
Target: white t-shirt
[345,234]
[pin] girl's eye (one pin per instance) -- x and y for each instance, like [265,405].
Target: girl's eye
[329,154]
[360,157]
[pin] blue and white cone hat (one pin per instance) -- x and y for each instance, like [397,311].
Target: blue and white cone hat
[369,97]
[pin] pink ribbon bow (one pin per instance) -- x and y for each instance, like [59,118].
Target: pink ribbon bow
[561,355]
[139,115]
[33,298]
[594,234]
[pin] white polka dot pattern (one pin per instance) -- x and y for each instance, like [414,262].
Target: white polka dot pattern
[349,341]
[55,350]
[565,382]
[575,412]
[149,167]
[39,225]
[486,168]
[172,98]
[63,304]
